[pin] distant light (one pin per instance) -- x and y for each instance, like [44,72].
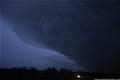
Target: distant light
[78,76]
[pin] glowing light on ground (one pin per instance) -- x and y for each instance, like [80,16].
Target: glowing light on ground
[79,76]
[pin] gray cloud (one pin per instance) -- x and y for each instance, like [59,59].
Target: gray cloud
[88,31]
[16,53]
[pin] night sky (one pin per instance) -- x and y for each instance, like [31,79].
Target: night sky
[74,34]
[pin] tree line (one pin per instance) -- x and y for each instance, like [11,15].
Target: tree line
[31,73]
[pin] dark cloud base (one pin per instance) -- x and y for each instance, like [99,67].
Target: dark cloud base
[88,32]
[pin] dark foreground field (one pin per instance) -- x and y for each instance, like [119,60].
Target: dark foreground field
[53,74]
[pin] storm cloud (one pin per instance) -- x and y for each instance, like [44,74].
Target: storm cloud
[86,31]
[17,53]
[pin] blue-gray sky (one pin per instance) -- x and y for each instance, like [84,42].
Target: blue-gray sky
[86,31]
[17,53]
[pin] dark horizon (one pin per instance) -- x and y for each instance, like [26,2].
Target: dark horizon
[55,74]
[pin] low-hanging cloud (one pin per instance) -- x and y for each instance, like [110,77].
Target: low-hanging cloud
[16,53]
[86,31]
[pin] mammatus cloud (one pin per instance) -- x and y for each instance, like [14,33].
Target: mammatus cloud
[87,32]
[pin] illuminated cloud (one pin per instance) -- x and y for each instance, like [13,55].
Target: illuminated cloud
[86,32]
